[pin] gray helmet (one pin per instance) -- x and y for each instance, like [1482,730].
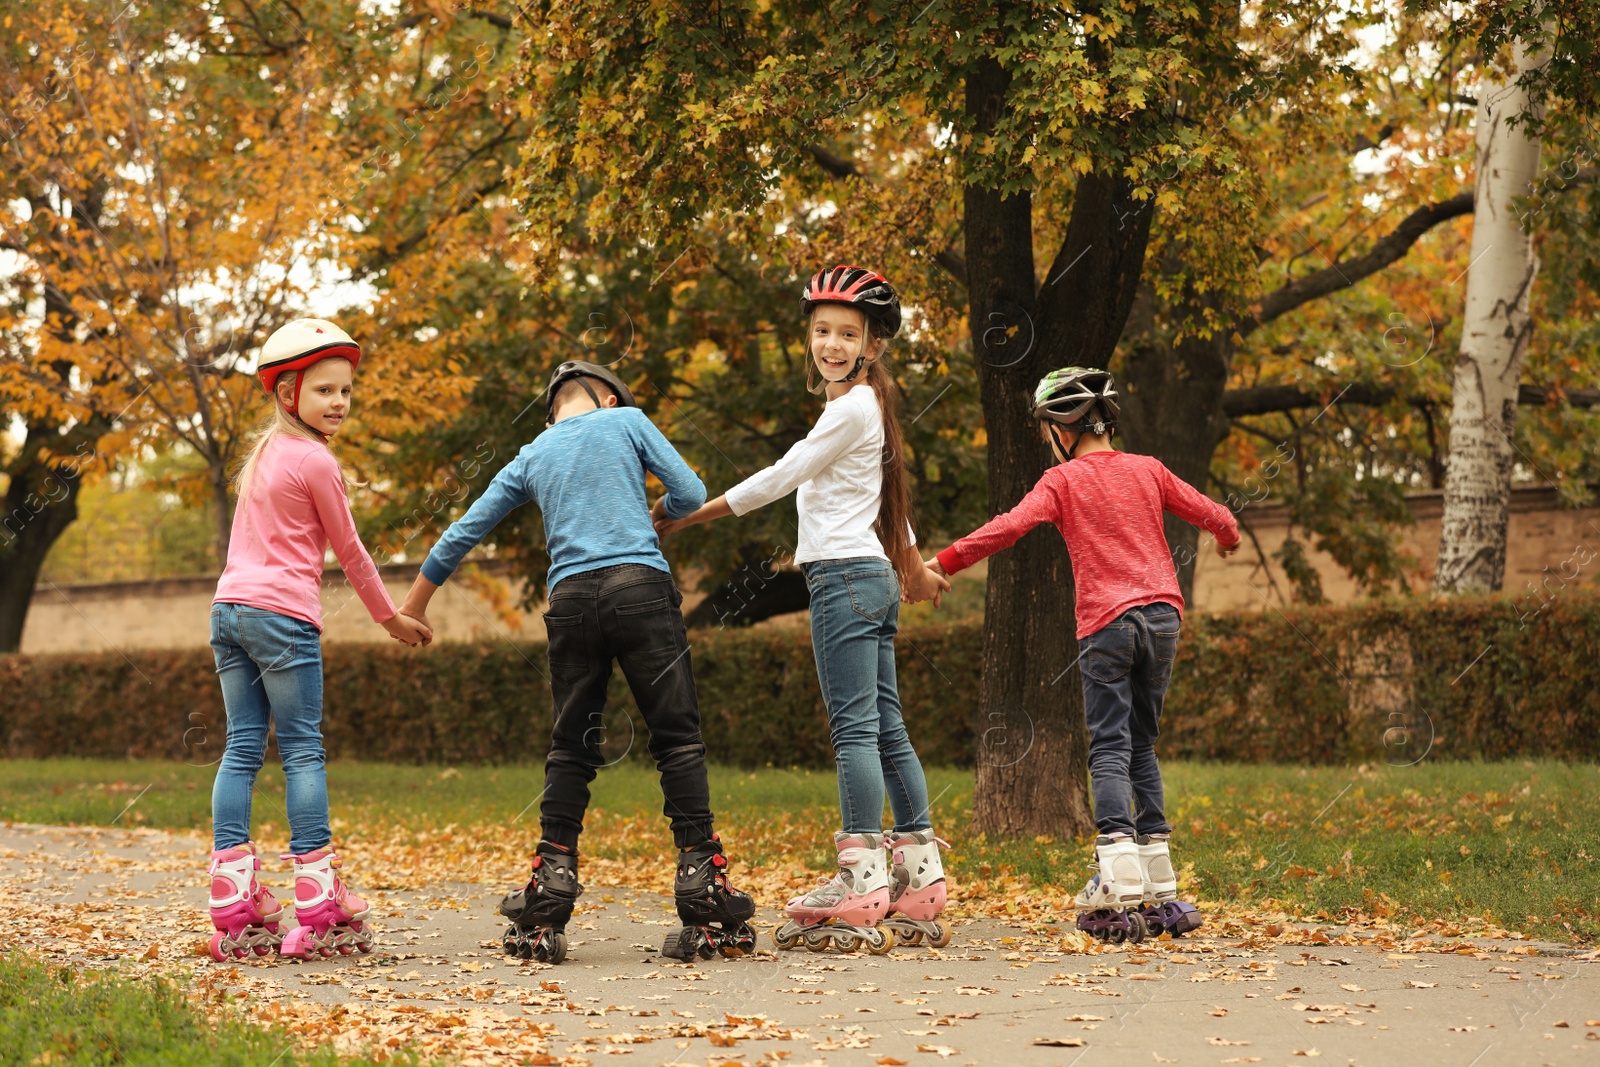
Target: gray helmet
[577,370]
[1080,399]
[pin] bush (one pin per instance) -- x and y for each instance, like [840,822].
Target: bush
[1390,680]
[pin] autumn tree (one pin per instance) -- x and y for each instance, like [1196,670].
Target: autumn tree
[1006,161]
[182,180]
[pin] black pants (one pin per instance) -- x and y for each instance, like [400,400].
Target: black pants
[630,613]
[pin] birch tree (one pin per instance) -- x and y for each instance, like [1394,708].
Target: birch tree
[1495,334]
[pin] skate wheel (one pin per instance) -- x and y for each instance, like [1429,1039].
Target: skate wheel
[1137,928]
[909,937]
[848,942]
[942,938]
[817,941]
[345,950]
[558,948]
[879,941]
[789,939]
[218,953]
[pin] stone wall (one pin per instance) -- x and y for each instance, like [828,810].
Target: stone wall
[1547,544]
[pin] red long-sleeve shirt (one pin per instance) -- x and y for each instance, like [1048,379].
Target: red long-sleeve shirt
[1108,507]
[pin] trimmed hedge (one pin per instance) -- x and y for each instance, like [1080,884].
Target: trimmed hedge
[1391,681]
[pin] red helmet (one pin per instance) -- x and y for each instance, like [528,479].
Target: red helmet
[866,290]
[297,346]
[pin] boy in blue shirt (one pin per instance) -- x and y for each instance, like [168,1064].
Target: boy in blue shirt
[611,597]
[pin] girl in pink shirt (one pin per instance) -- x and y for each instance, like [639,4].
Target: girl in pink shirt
[266,628]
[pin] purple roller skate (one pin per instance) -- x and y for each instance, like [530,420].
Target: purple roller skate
[1162,910]
[330,916]
[244,911]
[1108,907]
[1173,917]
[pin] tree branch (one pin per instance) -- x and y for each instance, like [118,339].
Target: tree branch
[1275,399]
[1343,274]
[840,167]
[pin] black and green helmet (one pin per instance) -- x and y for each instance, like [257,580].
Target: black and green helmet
[1080,399]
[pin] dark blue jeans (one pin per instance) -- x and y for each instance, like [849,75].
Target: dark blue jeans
[1126,666]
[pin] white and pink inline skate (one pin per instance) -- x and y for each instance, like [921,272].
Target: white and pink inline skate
[330,916]
[244,911]
[844,910]
[917,896]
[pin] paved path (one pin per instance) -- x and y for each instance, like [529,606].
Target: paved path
[996,995]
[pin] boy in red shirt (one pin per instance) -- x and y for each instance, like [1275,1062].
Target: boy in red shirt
[1108,505]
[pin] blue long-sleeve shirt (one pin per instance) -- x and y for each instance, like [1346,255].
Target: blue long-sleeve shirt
[586,473]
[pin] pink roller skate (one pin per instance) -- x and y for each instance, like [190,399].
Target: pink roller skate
[916,899]
[330,916]
[845,909]
[244,911]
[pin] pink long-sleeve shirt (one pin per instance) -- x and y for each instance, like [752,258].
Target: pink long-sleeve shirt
[1108,507]
[281,531]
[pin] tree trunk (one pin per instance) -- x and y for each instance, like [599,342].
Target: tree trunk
[41,502]
[1033,748]
[1033,763]
[1172,410]
[224,506]
[1494,336]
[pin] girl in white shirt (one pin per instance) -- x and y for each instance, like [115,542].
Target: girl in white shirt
[858,552]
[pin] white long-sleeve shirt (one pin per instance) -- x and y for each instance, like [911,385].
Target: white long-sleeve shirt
[838,472]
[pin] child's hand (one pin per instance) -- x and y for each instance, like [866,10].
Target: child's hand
[1227,550]
[420,617]
[409,631]
[926,585]
[711,509]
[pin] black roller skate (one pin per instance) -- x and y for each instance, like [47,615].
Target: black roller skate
[1109,906]
[1163,912]
[539,912]
[715,916]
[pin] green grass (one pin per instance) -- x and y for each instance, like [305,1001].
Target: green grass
[1509,843]
[51,1015]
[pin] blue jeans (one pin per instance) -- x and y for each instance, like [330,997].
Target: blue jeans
[1126,667]
[270,667]
[855,611]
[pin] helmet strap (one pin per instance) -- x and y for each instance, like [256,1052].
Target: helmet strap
[590,390]
[296,416]
[817,388]
[861,359]
[1055,435]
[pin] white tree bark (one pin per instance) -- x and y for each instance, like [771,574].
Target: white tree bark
[1494,336]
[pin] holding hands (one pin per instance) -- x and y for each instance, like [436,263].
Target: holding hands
[664,524]
[408,630]
[411,625]
[928,582]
